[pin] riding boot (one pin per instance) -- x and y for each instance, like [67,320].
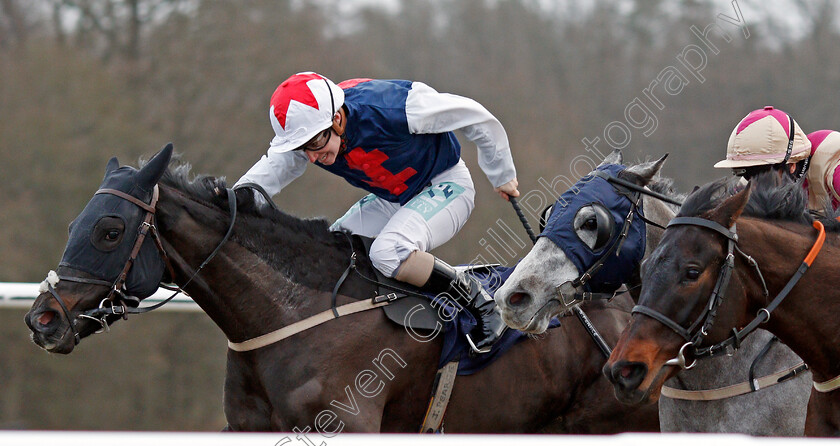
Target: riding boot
[468,292]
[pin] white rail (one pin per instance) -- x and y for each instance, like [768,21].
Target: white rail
[21,295]
[303,438]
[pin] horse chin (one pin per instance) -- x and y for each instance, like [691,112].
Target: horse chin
[650,394]
[63,345]
[636,397]
[538,323]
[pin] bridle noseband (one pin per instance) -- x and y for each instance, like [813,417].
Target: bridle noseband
[696,332]
[117,302]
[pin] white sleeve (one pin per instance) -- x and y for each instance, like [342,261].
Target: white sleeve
[428,111]
[274,170]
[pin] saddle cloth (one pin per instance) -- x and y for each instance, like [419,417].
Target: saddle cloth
[455,346]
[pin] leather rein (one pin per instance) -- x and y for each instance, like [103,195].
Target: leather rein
[117,302]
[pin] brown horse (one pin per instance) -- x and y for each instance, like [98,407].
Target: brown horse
[734,261]
[360,373]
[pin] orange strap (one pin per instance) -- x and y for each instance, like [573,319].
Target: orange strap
[812,254]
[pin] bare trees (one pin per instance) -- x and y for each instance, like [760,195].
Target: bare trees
[82,80]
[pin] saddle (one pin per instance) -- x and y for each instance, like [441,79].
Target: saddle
[411,310]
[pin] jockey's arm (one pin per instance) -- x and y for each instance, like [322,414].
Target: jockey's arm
[428,111]
[275,170]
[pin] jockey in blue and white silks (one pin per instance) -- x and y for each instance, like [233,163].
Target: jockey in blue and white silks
[393,138]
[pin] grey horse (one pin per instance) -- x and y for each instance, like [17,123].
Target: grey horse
[528,301]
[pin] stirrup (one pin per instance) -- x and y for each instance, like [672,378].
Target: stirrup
[476,349]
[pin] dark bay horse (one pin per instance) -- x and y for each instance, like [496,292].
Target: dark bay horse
[529,298]
[361,373]
[727,264]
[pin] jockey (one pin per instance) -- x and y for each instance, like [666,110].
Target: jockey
[823,180]
[394,139]
[767,139]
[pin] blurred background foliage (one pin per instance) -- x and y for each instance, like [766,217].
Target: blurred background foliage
[84,80]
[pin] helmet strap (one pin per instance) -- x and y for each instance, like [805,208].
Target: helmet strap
[790,140]
[802,168]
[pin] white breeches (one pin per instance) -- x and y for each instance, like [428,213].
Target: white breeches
[429,220]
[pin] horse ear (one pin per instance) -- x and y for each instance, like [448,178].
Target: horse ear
[113,164]
[728,212]
[648,171]
[614,157]
[154,169]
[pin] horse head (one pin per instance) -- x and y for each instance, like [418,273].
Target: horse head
[700,291]
[111,258]
[592,241]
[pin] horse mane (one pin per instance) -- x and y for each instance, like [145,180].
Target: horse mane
[773,197]
[659,184]
[204,188]
[266,230]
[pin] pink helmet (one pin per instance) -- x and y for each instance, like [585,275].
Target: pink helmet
[824,174]
[764,137]
[302,106]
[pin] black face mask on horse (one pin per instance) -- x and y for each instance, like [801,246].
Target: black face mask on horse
[104,235]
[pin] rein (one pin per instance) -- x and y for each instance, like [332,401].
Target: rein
[692,335]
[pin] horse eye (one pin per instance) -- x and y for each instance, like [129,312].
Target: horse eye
[692,273]
[590,224]
[107,233]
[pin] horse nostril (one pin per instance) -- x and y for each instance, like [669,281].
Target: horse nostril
[44,322]
[629,375]
[519,299]
[46,317]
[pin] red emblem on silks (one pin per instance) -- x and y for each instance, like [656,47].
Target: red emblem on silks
[371,164]
[293,89]
[350,83]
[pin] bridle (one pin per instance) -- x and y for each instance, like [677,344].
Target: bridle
[117,302]
[568,292]
[696,332]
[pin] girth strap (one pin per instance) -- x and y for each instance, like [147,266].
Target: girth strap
[306,324]
[441,392]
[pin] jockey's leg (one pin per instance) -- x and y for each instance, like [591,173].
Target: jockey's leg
[429,220]
[463,288]
[367,217]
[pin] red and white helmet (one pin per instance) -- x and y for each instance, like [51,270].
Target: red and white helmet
[764,137]
[302,106]
[824,174]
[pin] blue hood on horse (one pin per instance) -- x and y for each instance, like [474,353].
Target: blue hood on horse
[593,189]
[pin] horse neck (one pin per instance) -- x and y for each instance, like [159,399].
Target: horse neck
[657,212]
[239,290]
[805,320]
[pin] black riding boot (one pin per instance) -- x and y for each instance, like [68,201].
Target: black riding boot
[468,292]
